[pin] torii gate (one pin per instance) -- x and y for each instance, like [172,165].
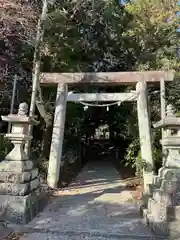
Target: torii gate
[138,79]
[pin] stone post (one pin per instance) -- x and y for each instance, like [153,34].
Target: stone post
[162,213]
[19,181]
[57,136]
[145,134]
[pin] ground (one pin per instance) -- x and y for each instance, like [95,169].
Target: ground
[95,206]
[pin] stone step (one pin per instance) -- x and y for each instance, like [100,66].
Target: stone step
[16,166]
[159,195]
[11,177]
[152,204]
[170,230]
[19,189]
[169,186]
[157,209]
[157,180]
[160,228]
[174,230]
[174,213]
[162,185]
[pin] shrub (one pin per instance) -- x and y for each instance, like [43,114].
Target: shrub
[133,154]
[5,146]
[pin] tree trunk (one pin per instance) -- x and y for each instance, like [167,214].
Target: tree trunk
[36,98]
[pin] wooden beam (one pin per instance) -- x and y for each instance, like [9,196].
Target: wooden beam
[116,78]
[101,97]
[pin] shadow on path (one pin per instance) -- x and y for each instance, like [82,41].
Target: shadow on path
[95,203]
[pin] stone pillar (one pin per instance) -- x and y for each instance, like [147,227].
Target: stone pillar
[57,136]
[19,181]
[145,133]
[163,209]
[163,111]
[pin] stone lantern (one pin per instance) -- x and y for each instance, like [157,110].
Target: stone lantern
[162,213]
[19,181]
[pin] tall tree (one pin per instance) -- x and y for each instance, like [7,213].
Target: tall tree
[36,97]
[87,36]
[18,21]
[154,33]
[79,36]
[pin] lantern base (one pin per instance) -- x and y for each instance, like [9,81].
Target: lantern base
[21,209]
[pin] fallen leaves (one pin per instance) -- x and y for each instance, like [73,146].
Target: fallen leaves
[14,236]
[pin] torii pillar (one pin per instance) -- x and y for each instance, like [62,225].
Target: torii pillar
[145,134]
[57,136]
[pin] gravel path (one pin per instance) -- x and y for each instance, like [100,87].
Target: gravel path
[94,207]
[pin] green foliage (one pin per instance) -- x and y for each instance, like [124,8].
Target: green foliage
[173,91]
[5,146]
[69,157]
[154,32]
[103,36]
[97,36]
[18,25]
[133,157]
[133,154]
[87,37]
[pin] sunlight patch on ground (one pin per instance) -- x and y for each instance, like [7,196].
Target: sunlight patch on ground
[44,221]
[78,211]
[115,198]
[95,180]
[92,188]
[96,207]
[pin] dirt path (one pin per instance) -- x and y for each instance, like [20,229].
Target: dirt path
[95,206]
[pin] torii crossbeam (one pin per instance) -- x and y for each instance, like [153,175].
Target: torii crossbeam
[138,79]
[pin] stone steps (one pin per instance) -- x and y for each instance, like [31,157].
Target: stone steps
[159,226]
[165,229]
